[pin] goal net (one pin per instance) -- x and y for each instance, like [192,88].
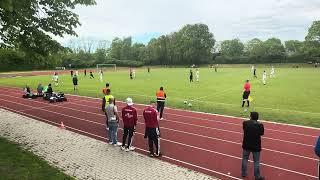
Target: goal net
[104,67]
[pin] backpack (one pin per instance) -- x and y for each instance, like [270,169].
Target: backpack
[317,147]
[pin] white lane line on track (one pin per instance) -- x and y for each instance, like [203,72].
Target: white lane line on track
[197,112]
[206,127]
[184,132]
[212,114]
[205,119]
[211,120]
[191,146]
[164,156]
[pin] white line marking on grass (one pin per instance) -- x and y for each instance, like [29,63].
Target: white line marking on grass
[183,131]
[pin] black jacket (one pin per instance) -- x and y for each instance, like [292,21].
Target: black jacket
[252,132]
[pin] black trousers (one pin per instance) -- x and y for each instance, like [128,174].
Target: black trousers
[160,107]
[245,97]
[126,131]
[153,135]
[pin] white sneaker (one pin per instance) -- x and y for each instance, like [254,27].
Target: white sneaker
[127,150]
[110,143]
[115,145]
[131,148]
[118,144]
[123,148]
[161,118]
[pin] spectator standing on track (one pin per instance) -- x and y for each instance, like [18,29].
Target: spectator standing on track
[152,131]
[130,118]
[317,151]
[161,99]
[252,132]
[105,100]
[85,73]
[75,82]
[246,93]
[113,122]
[191,76]
[104,90]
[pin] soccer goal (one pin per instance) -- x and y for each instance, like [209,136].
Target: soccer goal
[106,67]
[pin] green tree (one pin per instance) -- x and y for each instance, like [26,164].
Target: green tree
[293,46]
[26,24]
[311,47]
[274,47]
[314,32]
[232,48]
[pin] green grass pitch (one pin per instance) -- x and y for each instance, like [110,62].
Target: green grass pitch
[293,96]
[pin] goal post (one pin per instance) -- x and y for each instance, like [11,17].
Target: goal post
[106,66]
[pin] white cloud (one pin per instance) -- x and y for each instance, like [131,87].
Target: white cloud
[244,19]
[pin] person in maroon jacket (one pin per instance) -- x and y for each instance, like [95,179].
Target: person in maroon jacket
[152,131]
[130,118]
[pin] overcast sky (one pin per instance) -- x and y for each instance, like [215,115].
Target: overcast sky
[227,19]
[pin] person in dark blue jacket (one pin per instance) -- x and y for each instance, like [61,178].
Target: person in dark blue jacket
[317,151]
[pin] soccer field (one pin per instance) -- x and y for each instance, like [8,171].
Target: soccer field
[291,97]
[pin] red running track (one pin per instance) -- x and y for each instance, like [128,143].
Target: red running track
[203,142]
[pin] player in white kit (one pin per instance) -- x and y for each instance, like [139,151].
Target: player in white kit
[272,73]
[197,75]
[134,73]
[55,79]
[264,77]
[101,75]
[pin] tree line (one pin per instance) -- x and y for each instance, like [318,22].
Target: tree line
[25,42]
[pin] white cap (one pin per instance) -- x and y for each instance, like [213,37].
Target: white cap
[129,101]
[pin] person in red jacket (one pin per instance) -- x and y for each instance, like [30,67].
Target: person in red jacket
[130,118]
[152,131]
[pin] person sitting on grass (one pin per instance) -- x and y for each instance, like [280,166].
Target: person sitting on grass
[49,91]
[27,92]
[40,89]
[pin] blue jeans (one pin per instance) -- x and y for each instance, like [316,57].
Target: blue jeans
[113,132]
[256,163]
